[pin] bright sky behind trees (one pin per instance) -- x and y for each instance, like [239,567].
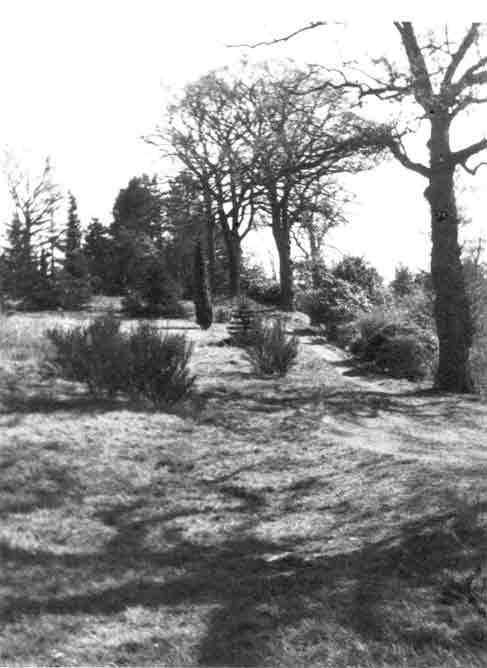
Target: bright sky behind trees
[81,81]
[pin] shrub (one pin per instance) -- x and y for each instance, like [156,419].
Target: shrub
[478,364]
[257,286]
[346,334]
[417,307]
[93,355]
[62,291]
[141,365]
[154,295]
[404,356]
[223,313]
[158,367]
[271,351]
[393,346]
[266,292]
[135,305]
[244,324]
[359,273]
[334,304]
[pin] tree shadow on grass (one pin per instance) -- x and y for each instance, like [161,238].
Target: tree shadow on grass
[256,594]
[19,404]
[350,402]
[34,485]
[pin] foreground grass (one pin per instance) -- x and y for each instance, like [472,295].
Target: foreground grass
[261,524]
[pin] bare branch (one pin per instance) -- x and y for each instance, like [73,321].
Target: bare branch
[423,91]
[466,102]
[471,76]
[400,154]
[473,170]
[459,55]
[461,157]
[285,38]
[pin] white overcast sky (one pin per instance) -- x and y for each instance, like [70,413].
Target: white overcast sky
[82,80]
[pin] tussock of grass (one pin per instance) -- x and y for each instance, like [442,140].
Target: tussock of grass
[258,526]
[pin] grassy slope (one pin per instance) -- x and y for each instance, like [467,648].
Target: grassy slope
[316,520]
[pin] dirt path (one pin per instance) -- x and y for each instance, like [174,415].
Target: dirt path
[404,419]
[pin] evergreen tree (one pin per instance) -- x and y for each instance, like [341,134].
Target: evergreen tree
[185,213]
[136,229]
[98,250]
[138,208]
[202,295]
[36,199]
[20,267]
[73,239]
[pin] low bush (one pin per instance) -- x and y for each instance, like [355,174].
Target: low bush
[478,365]
[404,356]
[153,294]
[222,313]
[272,351]
[259,287]
[158,367]
[401,349]
[333,305]
[266,292]
[60,292]
[346,333]
[135,305]
[141,365]
[417,306]
[92,355]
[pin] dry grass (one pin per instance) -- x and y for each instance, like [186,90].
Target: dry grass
[264,523]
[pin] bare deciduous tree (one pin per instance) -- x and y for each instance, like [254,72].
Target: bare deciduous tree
[443,76]
[204,133]
[36,200]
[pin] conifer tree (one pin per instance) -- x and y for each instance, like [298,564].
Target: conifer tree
[73,239]
[202,295]
[98,249]
[20,265]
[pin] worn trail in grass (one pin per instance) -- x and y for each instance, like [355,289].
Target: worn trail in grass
[264,523]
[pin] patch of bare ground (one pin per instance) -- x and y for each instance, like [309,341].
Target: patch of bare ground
[322,519]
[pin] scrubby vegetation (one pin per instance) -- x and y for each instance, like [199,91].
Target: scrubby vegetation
[335,305]
[140,364]
[270,479]
[270,351]
[271,523]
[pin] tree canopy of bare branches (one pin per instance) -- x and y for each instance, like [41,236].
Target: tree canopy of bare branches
[443,76]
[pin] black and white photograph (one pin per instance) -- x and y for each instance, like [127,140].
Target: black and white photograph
[243,334]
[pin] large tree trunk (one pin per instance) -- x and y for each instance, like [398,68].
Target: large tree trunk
[210,244]
[234,251]
[210,240]
[283,243]
[452,310]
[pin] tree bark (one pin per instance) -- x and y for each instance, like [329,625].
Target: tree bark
[283,242]
[451,309]
[234,251]
[210,240]
[210,244]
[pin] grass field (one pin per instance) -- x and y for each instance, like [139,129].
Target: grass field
[322,519]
